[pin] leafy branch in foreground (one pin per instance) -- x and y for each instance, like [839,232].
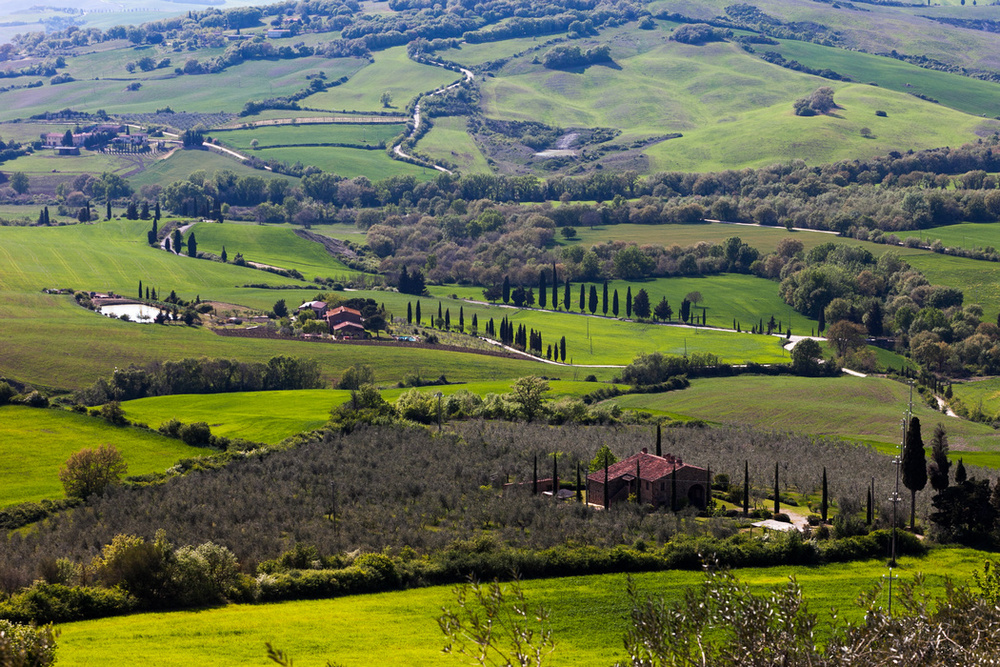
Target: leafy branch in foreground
[494,625]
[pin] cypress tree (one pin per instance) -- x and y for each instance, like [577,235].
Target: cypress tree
[592,305]
[659,440]
[534,476]
[107,211]
[475,323]
[543,292]
[937,470]
[156,211]
[416,314]
[821,322]
[147,293]
[914,466]
[447,319]
[562,349]
[555,476]
[777,495]
[461,318]
[604,299]
[192,244]
[566,295]
[555,289]
[823,506]
[583,298]
[868,513]
[960,474]
[166,244]
[628,302]
[614,304]
[409,313]
[140,289]
[225,257]
[746,488]
[607,491]
[440,313]
[506,289]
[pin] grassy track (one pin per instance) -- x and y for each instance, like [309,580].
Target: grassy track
[35,443]
[865,409]
[588,616]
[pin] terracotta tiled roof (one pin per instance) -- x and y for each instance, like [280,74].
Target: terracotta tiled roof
[343,309]
[651,467]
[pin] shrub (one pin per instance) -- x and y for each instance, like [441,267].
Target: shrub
[113,414]
[137,566]
[6,393]
[57,603]
[197,434]
[171,428]
[205,574]
[357,375]
[27,645]
[91,471]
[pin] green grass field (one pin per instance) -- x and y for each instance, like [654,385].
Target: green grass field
[182,164]
[225,91]
[272,416]
[311,134]
[952,90]
[764,239]
[47,162]
[391,72]
[51,341]
[449,140]
[864,409]
[477,54]
[276,246]
[347,162]
[701,91]
[35,443]
[403,627]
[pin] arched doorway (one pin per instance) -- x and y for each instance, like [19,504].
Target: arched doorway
[696,496]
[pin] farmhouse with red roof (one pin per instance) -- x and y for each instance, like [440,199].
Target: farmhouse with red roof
[649,478]
[345,322]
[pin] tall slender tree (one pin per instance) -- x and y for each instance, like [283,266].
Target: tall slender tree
[746,488]
[506,289]
[604,299]
[823,507]
[566,296]
[592,301]
[107,211]
[416,313]
[659,440]
[937,469]
[140,289]
[628,302]
[914,466]
[583,298]
[555,288]
[777,493]
[192,245]
[614,304]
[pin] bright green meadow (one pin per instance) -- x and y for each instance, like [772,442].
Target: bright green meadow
[35,443]
[402,624]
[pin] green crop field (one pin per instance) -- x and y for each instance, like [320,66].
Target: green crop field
[471,55]
[347,162]
[865,409]
[182,163]
[726,297]
[35,443]
[982,393]
[963,235]
[224,91]
[391,72]
[449,140]
[403,624]
[284,135]
[700,91]
[276,246]
[51,341]
[272,416]
[46,162]
[952,90]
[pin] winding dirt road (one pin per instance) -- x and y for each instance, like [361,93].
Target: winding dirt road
[397,149]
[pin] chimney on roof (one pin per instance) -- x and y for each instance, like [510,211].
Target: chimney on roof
[645,450]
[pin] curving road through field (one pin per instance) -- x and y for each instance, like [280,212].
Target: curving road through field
[397,149]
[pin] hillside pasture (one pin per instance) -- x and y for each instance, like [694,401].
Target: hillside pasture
[402,624]
[284,135]
[275,246]
[392,72]
[347,162]
[35,443]
[182,163]
[272,416]
[449,140]
[763,238]
[862,409]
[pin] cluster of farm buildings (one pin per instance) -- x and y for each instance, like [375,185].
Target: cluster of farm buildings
[115,135]
[343,322]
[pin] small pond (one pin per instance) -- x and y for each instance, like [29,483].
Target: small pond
[137,312]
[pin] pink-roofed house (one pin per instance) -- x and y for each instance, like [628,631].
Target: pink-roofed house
[650,479]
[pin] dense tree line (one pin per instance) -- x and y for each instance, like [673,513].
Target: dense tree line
[202,376]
